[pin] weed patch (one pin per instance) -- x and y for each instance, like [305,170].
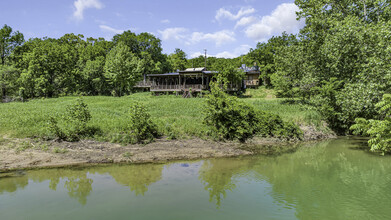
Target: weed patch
[58,150]
[23,146]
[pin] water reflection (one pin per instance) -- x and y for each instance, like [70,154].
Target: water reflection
[331,180]
[328,180]
[217,175]
[79,186]
[137,177]
[12,182]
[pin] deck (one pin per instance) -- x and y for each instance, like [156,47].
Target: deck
[251,83]
[177,88]
[144,84]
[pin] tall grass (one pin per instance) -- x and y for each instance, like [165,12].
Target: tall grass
[174,115]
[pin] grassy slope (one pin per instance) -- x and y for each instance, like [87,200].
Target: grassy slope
[182,116]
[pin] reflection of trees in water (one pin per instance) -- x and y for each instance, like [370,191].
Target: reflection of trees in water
[77,183]
[13,183]
[217,175]
[331,181]
[79,186]
[136,177]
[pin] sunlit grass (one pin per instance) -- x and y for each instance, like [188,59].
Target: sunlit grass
[172,114]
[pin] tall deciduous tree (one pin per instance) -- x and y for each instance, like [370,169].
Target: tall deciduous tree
[342,62]
[8,80]
[264,54]
[8,41]
[145,45]
[178,60]
[122,69]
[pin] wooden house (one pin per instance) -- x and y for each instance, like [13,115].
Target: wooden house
[251,79]
[193,80]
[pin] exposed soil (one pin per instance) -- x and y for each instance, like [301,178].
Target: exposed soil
[30,153]
[27,153]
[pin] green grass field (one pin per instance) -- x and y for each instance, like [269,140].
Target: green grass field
[172,114]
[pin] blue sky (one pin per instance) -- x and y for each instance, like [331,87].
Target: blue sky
[226,28]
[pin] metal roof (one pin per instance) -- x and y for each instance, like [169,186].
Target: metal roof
[210,72]
[192,70]
[253,69]
[164,74]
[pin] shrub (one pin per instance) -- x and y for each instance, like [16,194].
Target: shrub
[272,125]
[72,125]
[379,131]
[228,118]
[231,119]
[141,127]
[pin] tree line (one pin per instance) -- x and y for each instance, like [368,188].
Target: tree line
[51,67]
[72,64]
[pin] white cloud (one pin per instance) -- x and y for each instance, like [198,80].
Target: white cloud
[283,18]
[224,13]
[245,21]
[110,29]
[182,34]
[242,49]
[197,54]
[165,21]
[219,37]
[173,33]
[81,5]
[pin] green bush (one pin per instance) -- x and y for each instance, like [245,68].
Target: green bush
[272,125]
[72,125]
[378,130]
[227,117]
[141,127]
[231,119]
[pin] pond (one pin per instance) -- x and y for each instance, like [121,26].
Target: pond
[335,179]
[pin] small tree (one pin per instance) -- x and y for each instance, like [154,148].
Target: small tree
[141,127]
[231,119]
[72,125]
[229,74]
[228,117]
[378,130]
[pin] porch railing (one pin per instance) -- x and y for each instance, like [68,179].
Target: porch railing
[144,84]
[196,87]
[251,82]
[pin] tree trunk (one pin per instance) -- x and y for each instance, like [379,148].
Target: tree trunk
[365,10]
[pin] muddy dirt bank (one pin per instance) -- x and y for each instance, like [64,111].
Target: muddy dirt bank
[30,153]
[27,153]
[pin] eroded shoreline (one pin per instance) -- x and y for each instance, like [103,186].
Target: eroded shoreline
[29,153]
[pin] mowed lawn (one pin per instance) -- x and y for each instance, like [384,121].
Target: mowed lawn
[172,114]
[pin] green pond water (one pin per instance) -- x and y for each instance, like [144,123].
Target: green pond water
[335,179]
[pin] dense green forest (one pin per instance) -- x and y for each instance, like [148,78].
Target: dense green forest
[339,63]
[74,65]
